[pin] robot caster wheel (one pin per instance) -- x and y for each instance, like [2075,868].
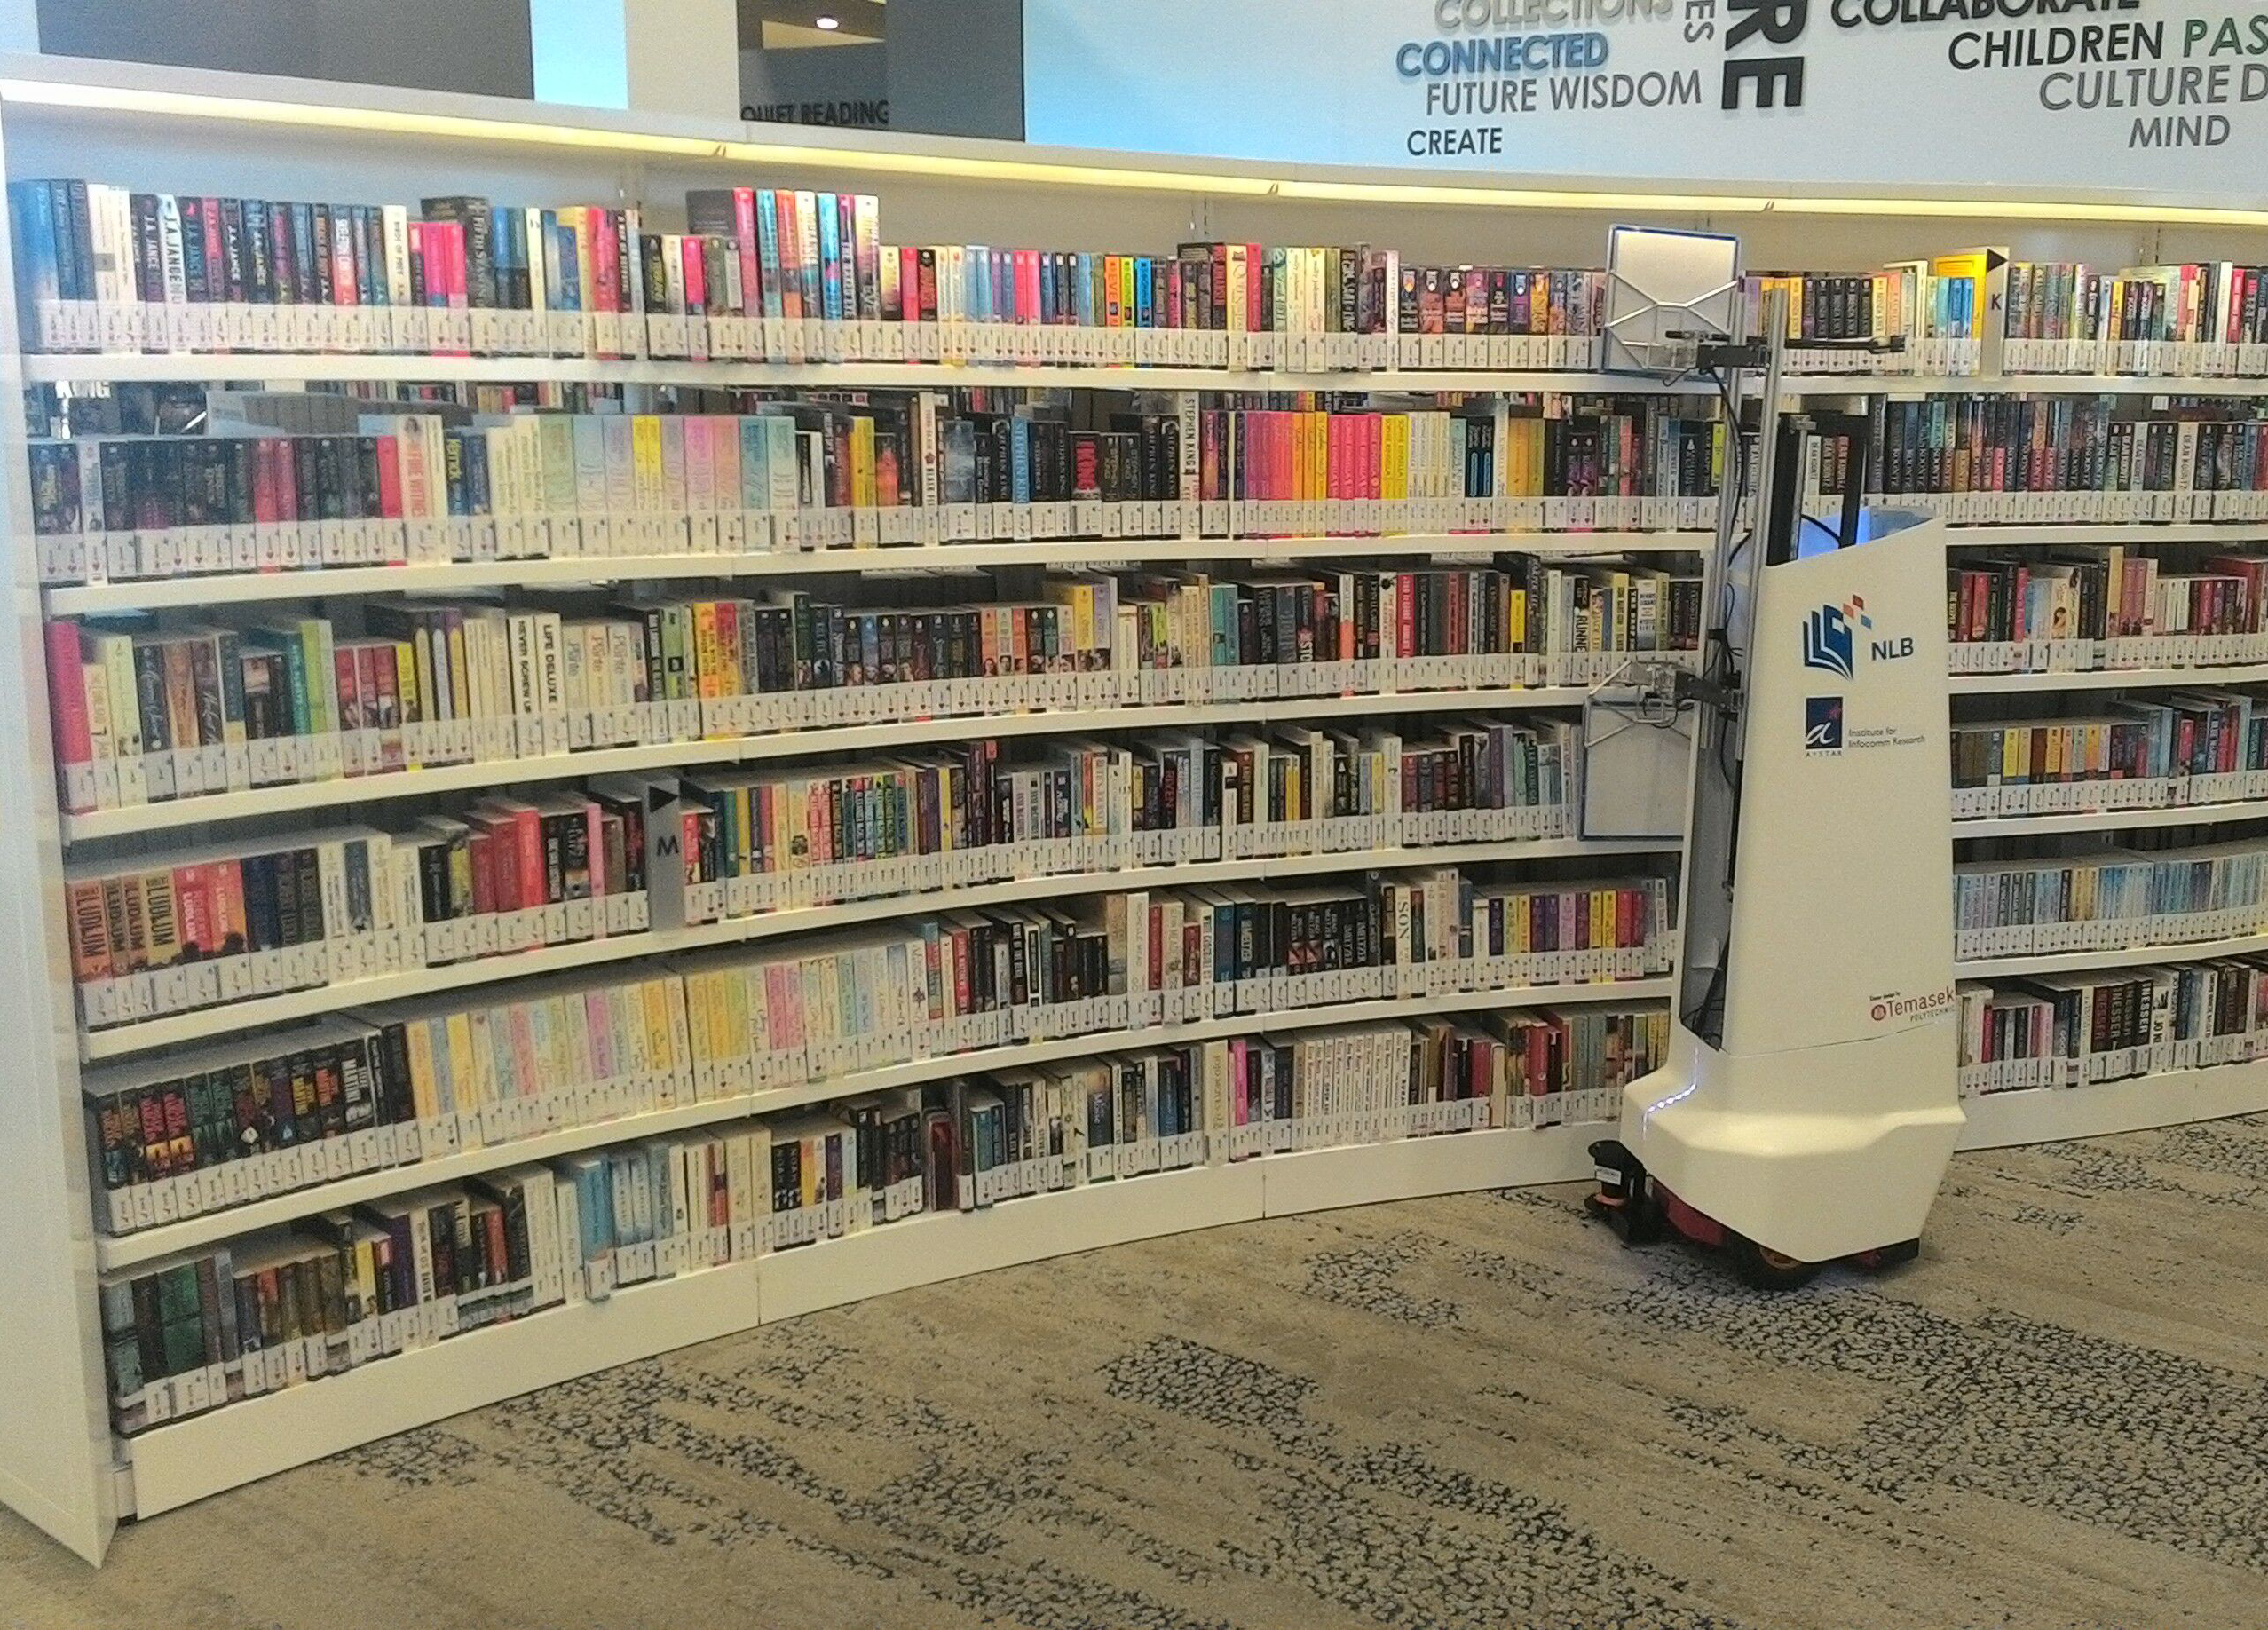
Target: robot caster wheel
[1764,1269]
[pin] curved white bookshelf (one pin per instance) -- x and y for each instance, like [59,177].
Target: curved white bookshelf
[172,1465]
[205,1024]
[241,135]
[299,797]
[146,1244]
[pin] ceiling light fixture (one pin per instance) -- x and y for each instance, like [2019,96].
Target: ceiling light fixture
[828,23]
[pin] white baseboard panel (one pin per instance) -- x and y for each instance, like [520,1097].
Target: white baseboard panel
[1327,1179]
[952,1245]
[2002,1120]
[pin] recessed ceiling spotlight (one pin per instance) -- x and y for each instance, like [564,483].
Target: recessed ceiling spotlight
[828,23]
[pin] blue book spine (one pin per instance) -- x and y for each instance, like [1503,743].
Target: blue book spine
[564,256]
[33,229]
[831,262]
[1019,460]
[756,465]
[768,250]
[69,282]
[1145,291]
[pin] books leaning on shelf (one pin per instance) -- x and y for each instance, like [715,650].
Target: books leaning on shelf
[1923,317]
[2186,749]
[2087,610]
[2202,318]
[2100,898]
[346,1288]
[2056,460]
[151,709]
[759,274]
[2080,1029]
[196,1133]
[392,485]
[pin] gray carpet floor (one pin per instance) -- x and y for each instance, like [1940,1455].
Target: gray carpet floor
[1470,1412]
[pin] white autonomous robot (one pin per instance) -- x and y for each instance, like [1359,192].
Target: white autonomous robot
[1810,1104]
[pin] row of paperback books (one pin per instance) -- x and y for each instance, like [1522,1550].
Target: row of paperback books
[196,927]
[2082,1029]
[2197,318]
[199,1132]
[150,709]
[2090,609]
[2056,460]
[283,1306]
[753,843]
[398,486]
[2187,748]
[2109,898]
[153,936]
[759,274]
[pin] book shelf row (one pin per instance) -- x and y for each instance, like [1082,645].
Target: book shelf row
[271,1310]
[764,272]
[257,1133]
[290,995]
[369,482]
[152,711]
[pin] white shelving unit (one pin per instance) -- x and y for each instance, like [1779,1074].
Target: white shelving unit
[60,1462]
[1998,1119]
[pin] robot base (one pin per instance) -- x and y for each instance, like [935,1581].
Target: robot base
[1641,1211]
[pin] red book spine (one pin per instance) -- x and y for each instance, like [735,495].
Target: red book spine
[66,691]
[533,891]
[695,262]
[909,284]
[266,511]
[746,245]
[215,261]
[1257,316]
[193,900]
[347,688]
[595,847]
[481,847]
[390,477]
[287,479]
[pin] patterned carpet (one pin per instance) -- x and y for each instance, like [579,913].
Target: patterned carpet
[1473,1412]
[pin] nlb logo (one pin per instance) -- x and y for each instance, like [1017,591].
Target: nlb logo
[1830,639]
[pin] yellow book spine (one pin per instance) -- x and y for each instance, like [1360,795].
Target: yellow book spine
[862,462]
[645,461]
[708,658]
